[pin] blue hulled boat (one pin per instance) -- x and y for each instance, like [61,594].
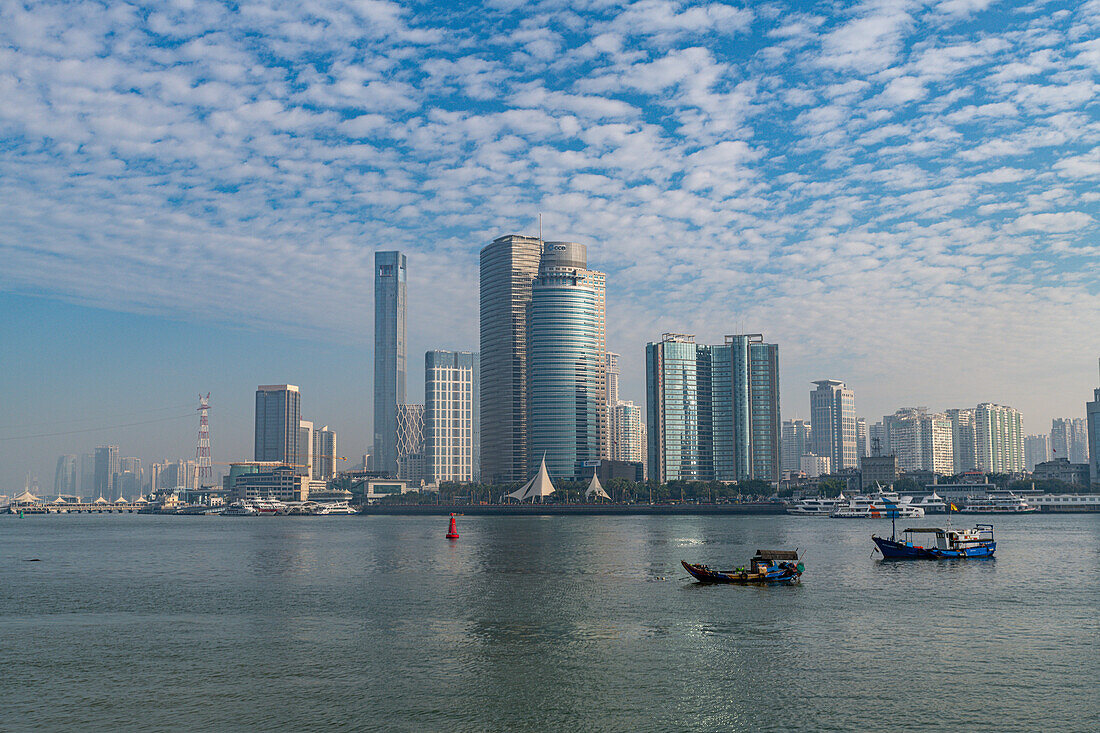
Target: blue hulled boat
[933,543]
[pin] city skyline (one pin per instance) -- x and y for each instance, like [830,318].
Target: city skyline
[903,197]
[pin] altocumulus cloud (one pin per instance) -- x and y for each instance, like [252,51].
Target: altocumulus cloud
[861,183]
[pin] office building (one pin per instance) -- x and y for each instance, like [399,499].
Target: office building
[815,466]
[278,420]
[611,397]
[745,409]
[861,437]
[324,453]
[629,438]
[878,472]
[509,266]
[410,442]
[1036,450]
[1062,469]
[66,475]
[679,444]
[280,482]
[87,476]
[106,466]
[1092,419]
[452,427]
[999,438]
[833,422]
[390,305]
[304,461]
[876,434]
[566,383]
[796,443]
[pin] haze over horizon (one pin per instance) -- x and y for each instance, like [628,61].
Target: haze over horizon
[902,195]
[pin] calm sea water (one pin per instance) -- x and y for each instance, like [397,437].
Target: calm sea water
[578,623]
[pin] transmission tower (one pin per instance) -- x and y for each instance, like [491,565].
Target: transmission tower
[204,473]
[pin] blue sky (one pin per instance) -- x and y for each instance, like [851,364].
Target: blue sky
[903,195]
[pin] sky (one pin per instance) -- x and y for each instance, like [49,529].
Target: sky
[903,195]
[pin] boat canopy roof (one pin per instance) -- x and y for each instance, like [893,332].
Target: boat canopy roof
[776,555]
[924,529]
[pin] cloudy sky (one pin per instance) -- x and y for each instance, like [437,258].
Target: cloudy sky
[903,195]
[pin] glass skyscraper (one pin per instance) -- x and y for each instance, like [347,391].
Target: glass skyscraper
[745,393]
[678,405]
[390,304]
[567,400]
[452,432]
[833,423]
[509,266]
[278,420]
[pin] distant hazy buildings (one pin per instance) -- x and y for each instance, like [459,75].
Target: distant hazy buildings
[1092,417]
[174,475]
[390,306]
[324,453]
[509,266]
[106,467]
[66,476]
[452,430]
[814,466]
[964,439]
[796,443]
[833,421]
[1069,439]
[566,377]
[278,420]
[861,437]
[1036,450]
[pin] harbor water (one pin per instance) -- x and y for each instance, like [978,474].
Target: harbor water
[539,623]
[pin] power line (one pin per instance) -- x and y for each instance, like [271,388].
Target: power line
[98,429]
[24,426]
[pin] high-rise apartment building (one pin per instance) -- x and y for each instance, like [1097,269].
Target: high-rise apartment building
[920,440]
[66,476]
[566,383]
[999,438]
[611,377]
[1069,439]
[679,444]
[390,305]
[964,439]
[833,421]
[796,443]
[745,409]
[1036,450]
[278,419]
[324,453]
[106,467]
[861,437]
[452,429]
[629,433]
[509,266]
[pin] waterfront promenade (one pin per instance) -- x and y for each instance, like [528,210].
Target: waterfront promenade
[555,509]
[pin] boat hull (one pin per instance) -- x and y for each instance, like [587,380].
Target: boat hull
[893,550]
[706,575]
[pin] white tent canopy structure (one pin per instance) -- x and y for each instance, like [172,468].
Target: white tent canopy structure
[539,486]
[595,489]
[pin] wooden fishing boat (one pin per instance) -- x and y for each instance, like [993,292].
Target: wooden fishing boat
[768,567]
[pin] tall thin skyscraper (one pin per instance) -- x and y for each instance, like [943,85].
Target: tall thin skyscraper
[861,437]
[1092,417]
[66,476]
[509,266]
[679,441]
[796,443]
[630,429]
[746,422]
[567,401]
[106,468]
[324,453]
[305,448]
[410,442]
[833,423]
[451,425]
[390,305]
[999,438]
[611,375]
[278,419]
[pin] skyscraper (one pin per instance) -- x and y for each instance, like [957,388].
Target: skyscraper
[963,439]
[833,421]
[509,266]
[630,432]
[278,419]
[745,409]
[796,443]
[452,434]
[678,409]
[611,375]
[324,453]
[861,437]
[305,448]
[410,442]
[66,475]
[390,304]
[566,382]
[106,467]
[1036,450]
[1069,439]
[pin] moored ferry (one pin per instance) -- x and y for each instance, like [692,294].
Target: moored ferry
[882,505]
[1003,503]
[934,543]
[816,506]
[239,509]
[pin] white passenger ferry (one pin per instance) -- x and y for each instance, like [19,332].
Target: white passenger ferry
[1000,503]
[884,504]
[816,506]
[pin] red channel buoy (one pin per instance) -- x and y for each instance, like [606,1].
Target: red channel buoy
[452,532]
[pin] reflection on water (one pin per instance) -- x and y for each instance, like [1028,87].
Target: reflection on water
[538,623]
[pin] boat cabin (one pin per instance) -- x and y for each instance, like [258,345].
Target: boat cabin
[765,559]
